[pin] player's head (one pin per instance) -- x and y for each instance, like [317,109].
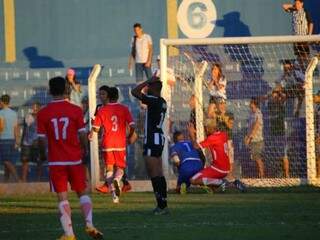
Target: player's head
[137,28]
[4,100]
[154,88]
[221,105]
[58,87]
[254,104]
[210,125]
[178,136]
[103,94]
[113,94]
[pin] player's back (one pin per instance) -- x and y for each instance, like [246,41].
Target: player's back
[218,145]
[185,151]
[115,117]
[61,121]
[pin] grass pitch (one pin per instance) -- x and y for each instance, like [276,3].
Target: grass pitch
[259,214]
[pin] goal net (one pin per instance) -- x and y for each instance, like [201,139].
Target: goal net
[277,75]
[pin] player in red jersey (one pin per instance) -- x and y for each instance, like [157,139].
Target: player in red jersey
[115,118]
[61,124]
[213,176]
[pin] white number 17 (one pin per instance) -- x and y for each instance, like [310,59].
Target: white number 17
[65,121]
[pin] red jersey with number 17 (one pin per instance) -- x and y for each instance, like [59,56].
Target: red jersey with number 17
[114,118]
[60,122]
[218,145]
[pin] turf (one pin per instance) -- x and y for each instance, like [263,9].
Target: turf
[259,214]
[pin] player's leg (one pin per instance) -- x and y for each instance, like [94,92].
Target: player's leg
[159,184]
[126,185]
[120,165]
[59,184]
[209,177]
[25,157]
[77,178]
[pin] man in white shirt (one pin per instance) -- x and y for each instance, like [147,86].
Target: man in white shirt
[141,53]
[9,135]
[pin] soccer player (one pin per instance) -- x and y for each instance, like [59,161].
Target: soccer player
[61,124]
[114,118]
[153,138]
[103,96]
[213,176]
[187,159]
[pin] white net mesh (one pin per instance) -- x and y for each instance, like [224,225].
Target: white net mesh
[274,75]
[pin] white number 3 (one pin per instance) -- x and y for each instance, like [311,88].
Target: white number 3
[114,120]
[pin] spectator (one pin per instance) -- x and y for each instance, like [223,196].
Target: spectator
[75,87]
[276,107]
[141,53]
[301,25]
[9,136]
[217,84]
[254,138]
[29,143]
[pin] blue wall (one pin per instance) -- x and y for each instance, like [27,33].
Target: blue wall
[87,31]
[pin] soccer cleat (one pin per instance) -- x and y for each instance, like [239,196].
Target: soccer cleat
[115,198]
[183,188]
[126,187]
[94,233]
[240,186]
[64,237]
[117,187]
[103,188]
[223,185]
[158,211]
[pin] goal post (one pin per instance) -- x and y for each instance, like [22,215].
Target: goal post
[94,145]
[254,67]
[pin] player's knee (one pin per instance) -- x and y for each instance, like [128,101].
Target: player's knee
[109,168]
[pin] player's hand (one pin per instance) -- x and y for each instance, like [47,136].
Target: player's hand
[133,138]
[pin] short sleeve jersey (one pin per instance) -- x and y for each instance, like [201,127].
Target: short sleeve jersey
[156,111]
[217,143]
[142,48]
[60,122]
[185,151]
[114,118]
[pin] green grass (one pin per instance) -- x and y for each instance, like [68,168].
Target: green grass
[259,214]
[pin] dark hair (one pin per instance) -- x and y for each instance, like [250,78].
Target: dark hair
[5,99]
[58,86]
[137,25]
[104,88]
[156,84]
[299,1]
[36,102]
[217,65]
[113,94]
[255,101]
[176,134]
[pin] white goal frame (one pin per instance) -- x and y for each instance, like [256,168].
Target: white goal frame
[310,128]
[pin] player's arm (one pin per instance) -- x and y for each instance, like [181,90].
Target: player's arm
[83,141]
[137,91]
[174,155]
[16,131]
[96,123]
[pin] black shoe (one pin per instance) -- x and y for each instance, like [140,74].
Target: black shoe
[240,186]
[159,211]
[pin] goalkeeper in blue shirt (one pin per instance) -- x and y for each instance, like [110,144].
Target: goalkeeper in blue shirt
[188,160]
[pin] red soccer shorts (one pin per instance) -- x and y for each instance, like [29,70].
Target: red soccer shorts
[61,175]
[210,172]
[115,158]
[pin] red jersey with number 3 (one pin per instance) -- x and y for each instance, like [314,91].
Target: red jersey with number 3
[218,145]
[60,122]
[114,118]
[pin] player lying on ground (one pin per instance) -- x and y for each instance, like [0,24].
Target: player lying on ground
[186,158]
[61,124]
[114,118]
[154,139]
[217,142]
